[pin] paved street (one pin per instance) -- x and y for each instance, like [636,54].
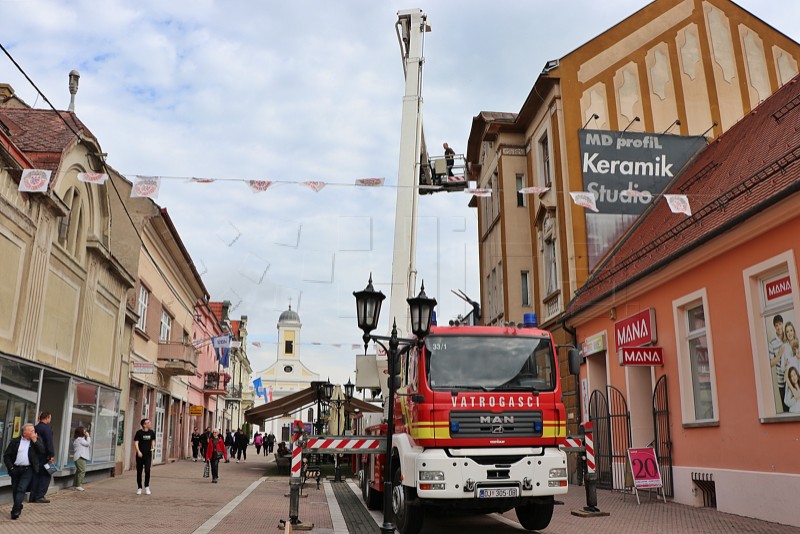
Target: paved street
[252,497]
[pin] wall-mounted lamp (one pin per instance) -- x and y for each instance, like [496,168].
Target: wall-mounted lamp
[590,119]
[635,119]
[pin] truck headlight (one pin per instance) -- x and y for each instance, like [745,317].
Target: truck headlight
[558,472]
[433,475]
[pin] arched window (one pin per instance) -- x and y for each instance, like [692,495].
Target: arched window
[72,227]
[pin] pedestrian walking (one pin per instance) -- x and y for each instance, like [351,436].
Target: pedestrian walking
[145,443]
[258,441]
[270,444]
[22,463]
[204,441]
[241,446]
[81,454]
[41,481]
[195,444]
[215,450]
[230,443]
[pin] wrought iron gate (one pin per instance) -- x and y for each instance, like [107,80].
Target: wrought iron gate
[663,441]
[612,436]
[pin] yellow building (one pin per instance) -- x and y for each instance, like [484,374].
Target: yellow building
[684,67]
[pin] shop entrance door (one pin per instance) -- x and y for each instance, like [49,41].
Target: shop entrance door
[159,428]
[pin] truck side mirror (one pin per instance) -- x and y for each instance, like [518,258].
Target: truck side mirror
[575,359]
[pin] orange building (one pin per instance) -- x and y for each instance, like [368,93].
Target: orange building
[714,296]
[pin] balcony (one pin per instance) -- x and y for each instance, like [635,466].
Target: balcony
[177,359]
[234,392]
[216,383]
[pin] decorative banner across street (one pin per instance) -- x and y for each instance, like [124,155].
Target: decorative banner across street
[259,186]
[535,190]
[584,199]
[679,204]
[146,186]
[369,182]
[314,185]
[93,177]
[479,192]
[34,180]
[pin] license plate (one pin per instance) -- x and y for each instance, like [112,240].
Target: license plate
[495,493]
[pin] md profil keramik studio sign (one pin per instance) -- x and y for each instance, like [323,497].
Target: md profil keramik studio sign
[635,336]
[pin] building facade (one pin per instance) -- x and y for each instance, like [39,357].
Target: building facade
[688,328]
[683,67]
[63,315]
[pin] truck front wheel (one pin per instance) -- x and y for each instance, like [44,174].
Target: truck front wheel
[535,515]
[407,514]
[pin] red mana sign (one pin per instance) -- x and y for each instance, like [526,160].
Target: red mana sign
[636,330]
[641,356]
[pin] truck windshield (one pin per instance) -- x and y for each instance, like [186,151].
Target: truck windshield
[490,363]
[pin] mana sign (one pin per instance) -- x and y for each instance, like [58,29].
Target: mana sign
[636,330]
[641,356]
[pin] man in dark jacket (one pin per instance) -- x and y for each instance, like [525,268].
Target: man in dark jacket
[41,481]
[230,442]
[22,462]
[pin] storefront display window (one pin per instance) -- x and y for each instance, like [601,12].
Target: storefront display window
[19,389]
[84,409]
[106,426]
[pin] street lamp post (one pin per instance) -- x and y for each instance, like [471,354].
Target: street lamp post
[368,309]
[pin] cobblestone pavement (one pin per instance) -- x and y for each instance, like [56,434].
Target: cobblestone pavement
[252,497]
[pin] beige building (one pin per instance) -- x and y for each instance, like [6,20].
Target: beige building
[63,289]
[687,67]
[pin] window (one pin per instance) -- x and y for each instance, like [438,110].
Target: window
[166,327]
[495,197]
[695,360]
[772,304]
[144,296]
[288,347]
[550,265]
[525,278]
[698,360]
[520,196]
[544,156]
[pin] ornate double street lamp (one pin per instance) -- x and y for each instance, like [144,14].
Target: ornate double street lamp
[368,310]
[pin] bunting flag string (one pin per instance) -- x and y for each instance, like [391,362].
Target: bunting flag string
[38,180]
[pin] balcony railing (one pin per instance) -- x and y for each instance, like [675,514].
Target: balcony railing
[216,383]
[235,392]
[177,359]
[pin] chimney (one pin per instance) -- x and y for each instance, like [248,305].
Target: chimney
[73,88]
[226,309]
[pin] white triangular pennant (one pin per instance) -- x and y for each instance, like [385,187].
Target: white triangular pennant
[259,186]
[93,177]
[679,204]
[145,187]
[585,200]
[314,186]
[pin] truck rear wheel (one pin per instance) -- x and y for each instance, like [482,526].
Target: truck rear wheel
[536,515]
[407,514]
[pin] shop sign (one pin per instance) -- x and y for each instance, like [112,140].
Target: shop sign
[641,356]
[644,468]
[195,411]
[778,288]
[144,368]
[636,330]
[594,344]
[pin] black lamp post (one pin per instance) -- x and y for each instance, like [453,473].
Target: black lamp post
[368,309]
[324,390]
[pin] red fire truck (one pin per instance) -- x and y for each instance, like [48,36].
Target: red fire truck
[477,423]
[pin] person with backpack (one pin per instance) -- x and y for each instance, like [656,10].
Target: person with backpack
[241,441]
[215,451]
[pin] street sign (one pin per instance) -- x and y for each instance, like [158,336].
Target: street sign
[144,368]
[195,411]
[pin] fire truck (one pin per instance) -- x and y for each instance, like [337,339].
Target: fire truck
[478,416]
[478,420]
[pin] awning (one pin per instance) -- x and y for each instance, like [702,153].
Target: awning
[289,404]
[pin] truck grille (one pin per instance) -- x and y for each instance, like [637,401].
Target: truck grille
[487,424]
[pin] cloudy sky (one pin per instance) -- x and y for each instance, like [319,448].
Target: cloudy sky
[290,92]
